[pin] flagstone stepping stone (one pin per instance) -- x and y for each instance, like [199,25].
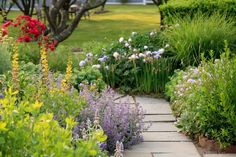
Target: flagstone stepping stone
[156,109]
[164,147]
[165,137]
[159,118]
[162,139]
[220,155]
[176,155]
[162,127]
[137,154]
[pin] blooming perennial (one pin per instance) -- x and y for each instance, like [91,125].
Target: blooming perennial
[15,66]
[44,64]
[29,29]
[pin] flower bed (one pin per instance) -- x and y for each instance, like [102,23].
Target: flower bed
[138,64]
[203,98]
[38,100]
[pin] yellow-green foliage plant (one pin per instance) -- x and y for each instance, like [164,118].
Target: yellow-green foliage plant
[37,118]
[25,131]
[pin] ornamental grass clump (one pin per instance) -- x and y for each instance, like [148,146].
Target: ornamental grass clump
[191,36]
[121,121]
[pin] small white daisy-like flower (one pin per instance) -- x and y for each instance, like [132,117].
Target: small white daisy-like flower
[167,45]
[121,40]
[135,50]
[133,57]
[116,55]
[96,66]
[126,44]
[134,33]
[161,51]
[142,55]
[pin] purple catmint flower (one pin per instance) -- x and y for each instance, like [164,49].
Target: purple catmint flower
[121,121]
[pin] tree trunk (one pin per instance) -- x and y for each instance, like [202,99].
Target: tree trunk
[25,6]
[57,16]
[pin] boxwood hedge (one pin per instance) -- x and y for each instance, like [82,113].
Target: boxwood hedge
[181,8]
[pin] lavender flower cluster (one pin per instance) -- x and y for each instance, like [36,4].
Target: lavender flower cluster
[121,121]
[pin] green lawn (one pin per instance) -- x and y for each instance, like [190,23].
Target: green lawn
[121,20]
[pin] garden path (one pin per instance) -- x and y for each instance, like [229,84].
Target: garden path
[162,139]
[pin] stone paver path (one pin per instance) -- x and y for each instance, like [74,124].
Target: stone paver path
[220,155]
[162,138]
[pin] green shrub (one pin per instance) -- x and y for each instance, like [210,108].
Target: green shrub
[29,52]
[5,59]
[94,47]
[61,104]
[207,99]
[192,36]
[182,8]
[57,59]
[88,76]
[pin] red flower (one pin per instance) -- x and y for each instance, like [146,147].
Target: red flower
[55,42]
[6,24]
[27,38]
[4,32]
[31,30]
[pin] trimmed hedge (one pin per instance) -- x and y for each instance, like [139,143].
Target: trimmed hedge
[182,8]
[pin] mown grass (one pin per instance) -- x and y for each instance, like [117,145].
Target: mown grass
[121,20]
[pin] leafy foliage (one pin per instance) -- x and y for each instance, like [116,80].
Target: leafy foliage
[183,8]
[135,64]
[204,98]
[57,60]
[88,76]
[5,59]
[192,36]
[24,130]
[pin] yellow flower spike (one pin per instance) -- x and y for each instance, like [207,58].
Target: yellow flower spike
[65,83]
[3,126]
[15,66]
[44,64]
